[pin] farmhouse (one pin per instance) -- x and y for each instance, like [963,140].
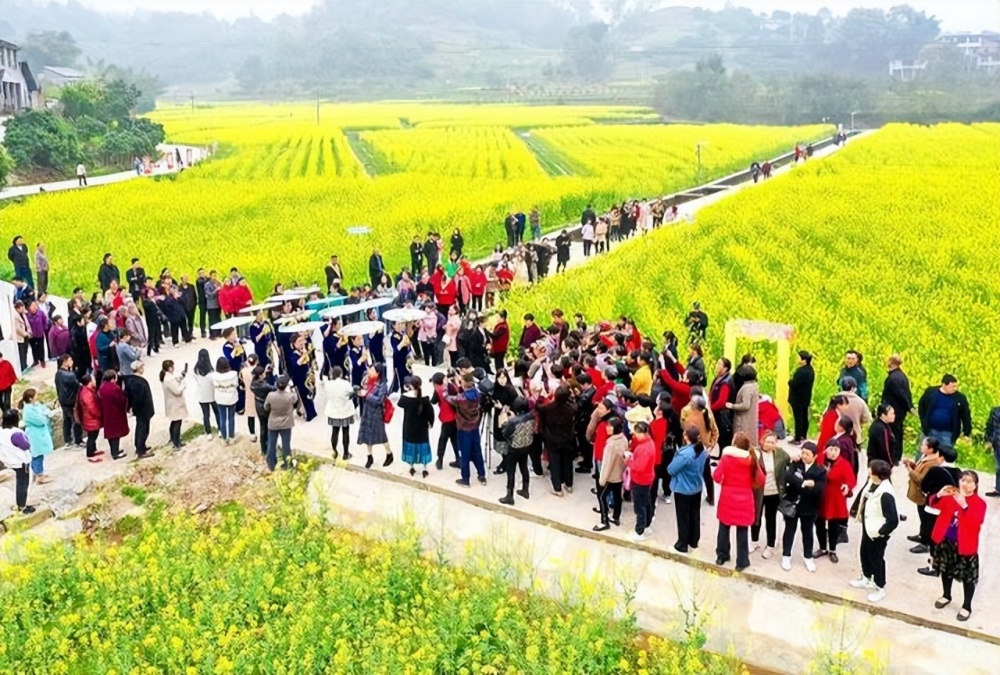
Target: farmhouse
[18,88]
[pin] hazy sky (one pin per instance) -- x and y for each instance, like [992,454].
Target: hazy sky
[955,15]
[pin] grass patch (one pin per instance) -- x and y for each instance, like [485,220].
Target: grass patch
[374,162]
[552,161]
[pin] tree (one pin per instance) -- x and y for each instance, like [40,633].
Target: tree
[587,51]
[6,167]
[39,139]
[50,48]
[946,63]
[251,75]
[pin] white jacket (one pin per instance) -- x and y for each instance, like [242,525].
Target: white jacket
[338,393]
[227,387]
[205,387]
[871,504]
[11,455]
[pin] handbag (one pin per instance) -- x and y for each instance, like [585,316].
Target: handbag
[788,508]
[388,410]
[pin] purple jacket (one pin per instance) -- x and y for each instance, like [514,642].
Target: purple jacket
[38,323]
[58,341]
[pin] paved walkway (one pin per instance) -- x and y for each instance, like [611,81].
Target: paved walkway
[161,167]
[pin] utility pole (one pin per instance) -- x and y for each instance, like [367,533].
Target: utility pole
[192,101]
[317,105]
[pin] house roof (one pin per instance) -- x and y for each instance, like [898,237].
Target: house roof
[8,45]
[68,73]
[29,78]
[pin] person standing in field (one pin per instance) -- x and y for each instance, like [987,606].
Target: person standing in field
[374,393]
[767,495]
[18,256]
[81,175]
[108,272]
[42,268]
[800,389]
[226,385]
[563,242]
[832,518]
[687,470]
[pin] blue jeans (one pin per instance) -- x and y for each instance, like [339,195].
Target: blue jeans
[272,446]
[38,465]
[206,416]
[470,449]
[227,421]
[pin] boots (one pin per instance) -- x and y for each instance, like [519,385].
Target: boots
[523,492]
[508,499]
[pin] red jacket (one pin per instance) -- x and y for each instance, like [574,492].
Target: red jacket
[88,409]
[444,292]
[477,279]
[596,377]
[241,297]
[113,410]
[970,522]
[642,463]
[680,392]
[834,502]
[658,432]
[7,376]
[827,429]
[634,341]
[600,440]
[736,503]
[226,298]
[719,398]
[446,413]
[501,338]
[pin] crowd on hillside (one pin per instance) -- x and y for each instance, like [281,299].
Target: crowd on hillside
[638,421]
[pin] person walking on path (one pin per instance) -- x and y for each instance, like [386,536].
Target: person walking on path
[15,452]
[767,495]
[140,404]
[956,539]
[805,482]
[114,412]
[468,412]
[339,395]
[738,474]
[67,390]
[18,256]
[418,418]
[42,268]
[641,463]
[280,405]
[876,509]
[800,389]
[38,426]
[174,404]
[687,471]
[896,393]
[225,390]
[81,175]
[374,393]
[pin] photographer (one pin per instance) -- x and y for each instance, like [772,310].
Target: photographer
[517,427]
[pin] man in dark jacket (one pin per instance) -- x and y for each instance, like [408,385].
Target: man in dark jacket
[431,252]
[800,389]
[18,256]
[108,273]
[139,401]
[199,287]
[588,215]
[67,388]
[944,412]
[416,257]
[189,301]
[896,393]
[173,310]
[376,268]
[136,278]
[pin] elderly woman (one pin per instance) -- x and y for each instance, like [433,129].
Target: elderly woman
[745,407]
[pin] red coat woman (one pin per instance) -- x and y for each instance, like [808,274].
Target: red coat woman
[833,505]
[444,290]
[114,411]
[827,427]
[477,279]
[735,473]
[88,409]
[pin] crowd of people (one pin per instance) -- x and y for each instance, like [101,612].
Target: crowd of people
[593,402]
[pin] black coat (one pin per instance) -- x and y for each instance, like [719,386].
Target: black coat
[138,396]
[136,279]
[800,387]
[961,418]
[375,269]
[808,498]
[108,273]
[880,442]
[173,310]
[67,387]
[896,392]
[189,299]
[18,256]
[199,286]
[79,347]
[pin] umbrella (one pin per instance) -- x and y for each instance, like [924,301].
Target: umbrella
[405,314]
[259,308]
[233,322]
[361,328]
[306,327]
[345,310]
[285,297]
[294,317]
[300,291]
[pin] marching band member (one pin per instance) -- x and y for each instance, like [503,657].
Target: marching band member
[301,368]
[401,355]
[359,358]
[233,351]
[261,333]
[334,348]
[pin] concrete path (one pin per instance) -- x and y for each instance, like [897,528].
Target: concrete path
[160,167]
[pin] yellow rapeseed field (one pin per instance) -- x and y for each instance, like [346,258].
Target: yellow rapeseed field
[284,191]
[889,246]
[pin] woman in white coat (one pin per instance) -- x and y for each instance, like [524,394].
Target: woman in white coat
[339,396]
[205,386]
[174,405]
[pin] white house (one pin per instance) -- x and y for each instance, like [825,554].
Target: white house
[58,76]
[18,88]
